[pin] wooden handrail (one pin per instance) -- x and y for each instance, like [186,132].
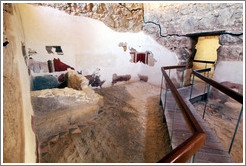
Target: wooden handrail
[233,94]
[188,148]
[174,67]
[188,116]
[201,61]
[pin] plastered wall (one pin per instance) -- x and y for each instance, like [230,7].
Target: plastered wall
[89,44]
[19,144]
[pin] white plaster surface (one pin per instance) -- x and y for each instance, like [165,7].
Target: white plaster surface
[229,71]
[88,44]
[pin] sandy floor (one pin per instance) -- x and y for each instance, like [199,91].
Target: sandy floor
[129,129]
[221,116]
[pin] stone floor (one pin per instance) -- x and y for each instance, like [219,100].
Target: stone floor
[129,129]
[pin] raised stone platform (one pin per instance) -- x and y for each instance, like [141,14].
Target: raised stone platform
[56,110]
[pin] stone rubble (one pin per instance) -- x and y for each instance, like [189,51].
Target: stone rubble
[64,107]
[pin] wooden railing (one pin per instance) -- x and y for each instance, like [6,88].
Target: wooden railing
[229,92]
[187,149]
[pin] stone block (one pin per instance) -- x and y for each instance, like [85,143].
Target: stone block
[53,138]
[91,121]
[76,81]
[56,109]
[43,144]
[43,154]
[63,133]
[100,111]
[83,125]
[227,39]
[45,149]
[230,53]
[75,130]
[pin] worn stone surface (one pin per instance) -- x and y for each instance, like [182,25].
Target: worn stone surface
[18,135]
[62,108]
[173,18]
[184,18]
[227,39]
[130,129]
[231,48]
[183,47]
[114,15]
[13,127]
[76,81]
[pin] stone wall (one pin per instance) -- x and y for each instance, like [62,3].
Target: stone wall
[184,18]
[88,44]
[168,24]
[114,15]
[177,19]
[231,48]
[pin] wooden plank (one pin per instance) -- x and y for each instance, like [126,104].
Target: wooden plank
[214,158]
[212,151]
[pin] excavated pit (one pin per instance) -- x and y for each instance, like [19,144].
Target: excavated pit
[129,128]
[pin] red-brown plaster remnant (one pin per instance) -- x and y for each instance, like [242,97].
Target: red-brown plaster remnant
[61,78]
[143,78]
[57,65]
[60,66]
[120,78]
[143,57]
[94,80]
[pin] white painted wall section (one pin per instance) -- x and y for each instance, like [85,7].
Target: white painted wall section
[231,71]
[88,44]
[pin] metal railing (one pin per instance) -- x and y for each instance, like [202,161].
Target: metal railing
[203,61]
[206,63]
[190,146]
[229,92]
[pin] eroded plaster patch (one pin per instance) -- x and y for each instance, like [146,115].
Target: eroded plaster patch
[94,79]
[31,51]
[124,45]
[52,49]
[146,57]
